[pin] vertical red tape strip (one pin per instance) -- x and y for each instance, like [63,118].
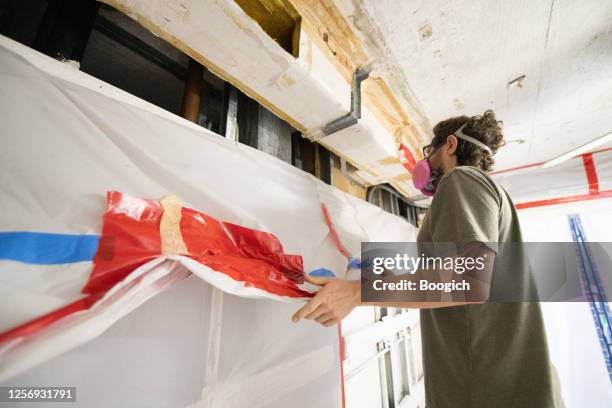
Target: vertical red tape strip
[333,233]
[342,357]
[592,181]
[591,173]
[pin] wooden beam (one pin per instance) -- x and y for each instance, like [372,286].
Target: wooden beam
[193,91]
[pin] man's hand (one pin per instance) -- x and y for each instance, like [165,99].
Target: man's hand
[336,299]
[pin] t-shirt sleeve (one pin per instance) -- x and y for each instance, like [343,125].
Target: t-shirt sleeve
[465,209]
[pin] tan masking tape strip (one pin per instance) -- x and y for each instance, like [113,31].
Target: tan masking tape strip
[170,227]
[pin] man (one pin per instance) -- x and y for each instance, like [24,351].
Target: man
[475,354]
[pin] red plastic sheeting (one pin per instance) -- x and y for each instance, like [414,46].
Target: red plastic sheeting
[406,157]
[131,237]
[43,321]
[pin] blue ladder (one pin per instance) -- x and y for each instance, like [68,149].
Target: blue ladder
[593,287]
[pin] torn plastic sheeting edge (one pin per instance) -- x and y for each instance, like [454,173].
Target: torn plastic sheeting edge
[32,328]
[229,285]
[20,354]
[23,353]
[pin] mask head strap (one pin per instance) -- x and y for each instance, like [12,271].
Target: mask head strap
[470,139]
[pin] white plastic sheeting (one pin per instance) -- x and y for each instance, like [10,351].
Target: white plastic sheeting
[545,198]
[572,336]
[67,139]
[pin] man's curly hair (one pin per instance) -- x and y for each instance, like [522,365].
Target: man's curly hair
[486,128]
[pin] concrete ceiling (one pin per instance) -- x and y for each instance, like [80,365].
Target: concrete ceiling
[458,57]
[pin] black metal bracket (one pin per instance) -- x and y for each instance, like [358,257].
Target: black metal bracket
[354,115]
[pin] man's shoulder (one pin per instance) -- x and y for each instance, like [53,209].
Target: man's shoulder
[466,174]
[468,171]
[472,179]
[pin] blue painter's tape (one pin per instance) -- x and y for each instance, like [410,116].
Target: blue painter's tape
[322,272]
[354,263]
[43,248]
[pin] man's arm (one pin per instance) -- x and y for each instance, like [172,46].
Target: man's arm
[338,297]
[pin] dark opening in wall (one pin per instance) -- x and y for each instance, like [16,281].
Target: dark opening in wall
[278,18]
[311,157]
[128,56]
[58,28]
[20,19]
[387,198]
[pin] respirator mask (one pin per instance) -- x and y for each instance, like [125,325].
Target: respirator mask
[425,178]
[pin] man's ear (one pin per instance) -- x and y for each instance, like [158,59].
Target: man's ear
[451,144]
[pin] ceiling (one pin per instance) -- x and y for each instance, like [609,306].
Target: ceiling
[458,57]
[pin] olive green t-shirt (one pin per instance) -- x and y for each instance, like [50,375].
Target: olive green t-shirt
[491,355]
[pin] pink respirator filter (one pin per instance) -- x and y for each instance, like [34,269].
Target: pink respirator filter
[420,174]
